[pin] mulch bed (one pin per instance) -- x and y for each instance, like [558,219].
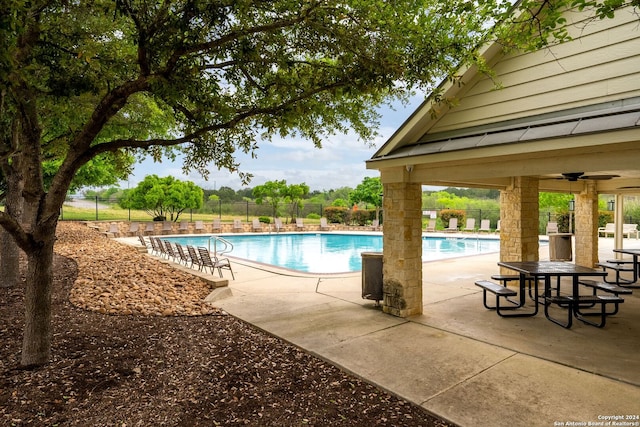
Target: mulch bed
[130,351]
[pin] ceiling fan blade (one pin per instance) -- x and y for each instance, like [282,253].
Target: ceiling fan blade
[599,177]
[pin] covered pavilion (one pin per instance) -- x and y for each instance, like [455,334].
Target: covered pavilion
[562,119]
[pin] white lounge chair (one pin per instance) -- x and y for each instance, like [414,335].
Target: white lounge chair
[256,225]
[609,228]
[485,225]
[199,227]
[375,225]
[453,225]
[184,226]
[237,226]
[277,223]
[324,226]
[498,227]
[471,225]
[630,229]
[299,224]
[216,226]
[552,228]
[431,226]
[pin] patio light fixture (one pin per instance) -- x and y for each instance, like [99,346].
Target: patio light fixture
[611,205]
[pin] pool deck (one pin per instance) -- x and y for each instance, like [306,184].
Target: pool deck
[457,360]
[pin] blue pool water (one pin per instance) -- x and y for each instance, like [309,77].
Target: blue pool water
[333,252]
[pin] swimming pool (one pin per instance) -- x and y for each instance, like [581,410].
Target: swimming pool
[333,252]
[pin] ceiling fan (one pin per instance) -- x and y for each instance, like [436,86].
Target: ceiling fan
[574,176]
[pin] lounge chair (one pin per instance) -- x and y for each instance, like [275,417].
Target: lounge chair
[299,224]
[184,226]
[216,226]
[199,227]
[133,229]
[149,228]
[113,231]
[552,228]
[144,242]
[323,224]
[277,223]
[256,225]
[195,258]
[609,228]
[453,225]
[237,226]
[156,247]
[431,226]
[167,227]
[184,256]
[471,225]
[485,225]
[171,254]
[630,229]
[497,230]
[213,262]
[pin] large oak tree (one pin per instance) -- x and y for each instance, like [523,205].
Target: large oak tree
[81,79]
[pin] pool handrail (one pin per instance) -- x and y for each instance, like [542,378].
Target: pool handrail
[227,246]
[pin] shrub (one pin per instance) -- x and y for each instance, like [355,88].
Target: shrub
[313,216]
[264,219]
[447,214]
[336,214]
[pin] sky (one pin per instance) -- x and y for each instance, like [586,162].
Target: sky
[340,163]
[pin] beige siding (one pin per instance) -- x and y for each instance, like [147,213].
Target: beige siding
[602,65]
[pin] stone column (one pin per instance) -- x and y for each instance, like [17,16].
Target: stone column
[519,218]
[402,240]
[586,234]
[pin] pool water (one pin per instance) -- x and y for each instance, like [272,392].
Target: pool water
[332,252]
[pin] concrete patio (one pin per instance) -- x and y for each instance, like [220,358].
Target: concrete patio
[457,360]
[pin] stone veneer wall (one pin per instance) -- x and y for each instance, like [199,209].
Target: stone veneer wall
[586,222]
[519,209]
[402,240]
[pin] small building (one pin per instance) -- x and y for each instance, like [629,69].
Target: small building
[563,119]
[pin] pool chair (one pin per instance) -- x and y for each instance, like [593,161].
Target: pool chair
[144,243]
[552,228]
[431,226]
[184,256]
[485,225]
[375,225]
[453,225]
[277,224]
[195,258]
[149,228]
[114,230]
[237,226]
[171,254]
[498,227]
[133,229]
[213,262]
[167,227]
[216,227]
[471,225]
[199,227]
[184,226]
[323,224]
[299,224]
[256,225]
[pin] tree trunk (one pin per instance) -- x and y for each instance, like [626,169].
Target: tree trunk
[36,344]
[9,250]
[9,260]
